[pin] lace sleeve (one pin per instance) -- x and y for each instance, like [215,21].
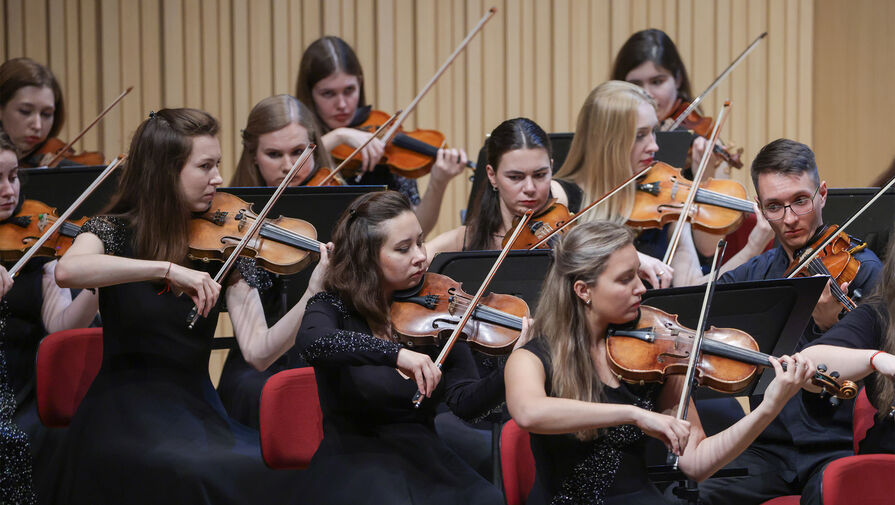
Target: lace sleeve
[322,341]
[111,230]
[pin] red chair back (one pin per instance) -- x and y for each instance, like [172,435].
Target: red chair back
[863,417]
[517,463]
[866,479]
[291,420]
[67,363]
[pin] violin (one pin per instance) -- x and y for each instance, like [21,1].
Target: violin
[56,150]
[836,259]
[719,203]
[550,218]
[426,314]
[53,147]
[20,232]
[408,154]
[322,177]
[702,126]
[283,245]
[656,345]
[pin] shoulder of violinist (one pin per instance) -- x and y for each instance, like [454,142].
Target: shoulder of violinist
[449,241]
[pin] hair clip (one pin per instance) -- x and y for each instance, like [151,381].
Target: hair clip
[352,212]
[152,114]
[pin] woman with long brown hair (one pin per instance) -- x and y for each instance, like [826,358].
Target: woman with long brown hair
[371,431]
[862,346]
[151,428]
[31,107]
[587,426]
[331,83]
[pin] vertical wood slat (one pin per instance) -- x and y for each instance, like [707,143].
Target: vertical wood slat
[536,59]
[15,38]
[109,128]
[90,70]
[36,36]
[129,108]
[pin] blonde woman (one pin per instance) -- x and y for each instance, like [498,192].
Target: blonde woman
[615,138]
[587,426]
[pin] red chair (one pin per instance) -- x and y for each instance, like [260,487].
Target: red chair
[291,420]
[862,418]
[517,463]
[868,479]
[67,363]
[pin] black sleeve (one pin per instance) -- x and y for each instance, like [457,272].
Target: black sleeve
[467,395]
[322,340]
[861,328]
[110,230]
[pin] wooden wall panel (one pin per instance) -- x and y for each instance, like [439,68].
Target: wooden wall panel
[853,101]
[535,58]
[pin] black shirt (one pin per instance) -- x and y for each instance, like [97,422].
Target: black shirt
[864,328]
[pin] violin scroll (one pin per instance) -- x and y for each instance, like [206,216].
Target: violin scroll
[834,387]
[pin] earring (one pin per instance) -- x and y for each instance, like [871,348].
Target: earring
[494,188]
[587,302]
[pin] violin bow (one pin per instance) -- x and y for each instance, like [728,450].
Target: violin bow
[65,215]
[810,254]
[59,155]
[256,225]
[593,204]
[696,347]
[680,119]
[694,188]
[390,133]
[360,148]
[473,304]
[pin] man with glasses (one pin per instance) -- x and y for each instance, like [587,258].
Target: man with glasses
[789,456]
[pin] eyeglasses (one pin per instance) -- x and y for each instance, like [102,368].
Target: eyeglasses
[800,207]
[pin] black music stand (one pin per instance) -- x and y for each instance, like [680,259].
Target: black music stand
[321,206]
[874,226]
[60,187]
[673,147]
[521,274]
[775,312]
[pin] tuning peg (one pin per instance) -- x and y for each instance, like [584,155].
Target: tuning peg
[834,401]
[821,368]
[834,375]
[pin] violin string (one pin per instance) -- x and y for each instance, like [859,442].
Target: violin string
[817,267]
[498,316]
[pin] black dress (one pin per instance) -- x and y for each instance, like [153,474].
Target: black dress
[865,328]
[151,428]
[15,455]
[22,334]
[608,470]
[379,448]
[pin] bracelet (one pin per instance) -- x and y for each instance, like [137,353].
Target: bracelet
[871,360]
[165,277]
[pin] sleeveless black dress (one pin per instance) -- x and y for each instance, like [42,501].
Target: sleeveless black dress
[151,428]
[610,470]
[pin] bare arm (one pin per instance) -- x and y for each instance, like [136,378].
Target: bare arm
[536,412]
[686,262]
[448,164]
[59,312]
[86,266]
[852,364]
[705,456]
[449,241]
[259,344]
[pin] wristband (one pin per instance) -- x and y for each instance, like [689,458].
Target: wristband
[871,360]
